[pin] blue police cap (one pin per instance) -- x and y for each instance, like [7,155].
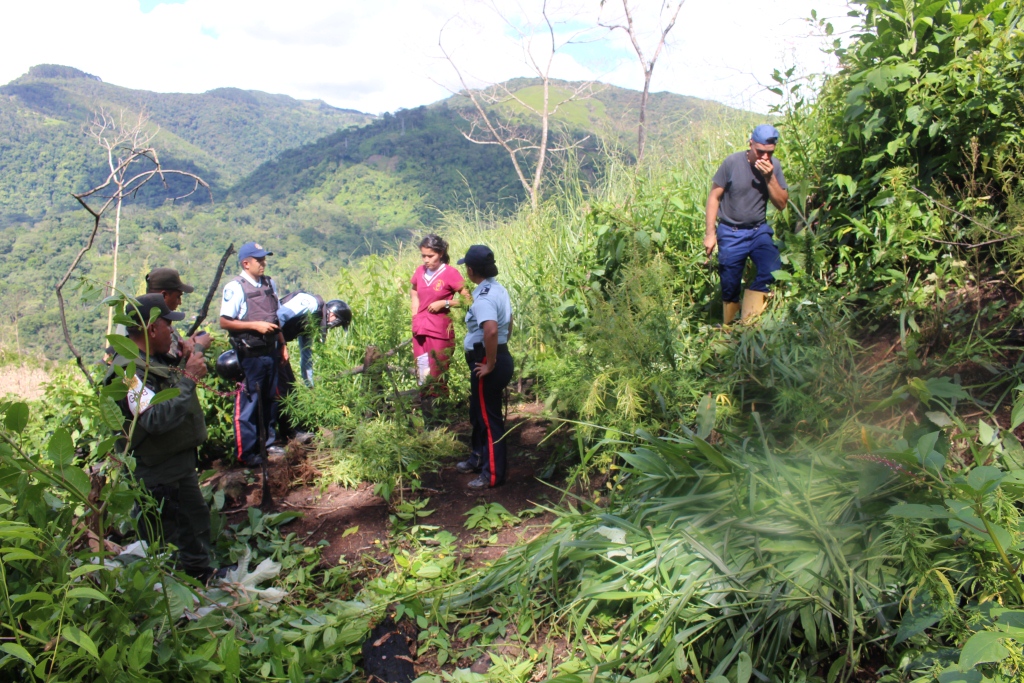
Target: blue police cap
[252,250]
[478,257]
[765,134]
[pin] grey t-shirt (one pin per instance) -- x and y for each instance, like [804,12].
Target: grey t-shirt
[745,201]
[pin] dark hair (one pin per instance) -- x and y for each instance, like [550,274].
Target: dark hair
[436,244]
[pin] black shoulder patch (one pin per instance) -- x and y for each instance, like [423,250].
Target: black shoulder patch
[484,290]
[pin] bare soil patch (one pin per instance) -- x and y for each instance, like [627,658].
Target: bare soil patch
[354,522]
[22,381]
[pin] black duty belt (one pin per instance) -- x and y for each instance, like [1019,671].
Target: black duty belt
[745,226]
[255,346]
[502,348]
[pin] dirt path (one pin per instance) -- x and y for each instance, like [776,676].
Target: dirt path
[330,514]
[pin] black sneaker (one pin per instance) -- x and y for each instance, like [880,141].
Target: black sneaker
[251,460]
[467,467]
[479,483]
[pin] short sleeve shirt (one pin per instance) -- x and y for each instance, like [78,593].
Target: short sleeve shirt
[745,202]
[233,302]
[490,302]
[441,284]
[300,304]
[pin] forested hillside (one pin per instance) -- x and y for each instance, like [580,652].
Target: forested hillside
[223,134]
[321,186]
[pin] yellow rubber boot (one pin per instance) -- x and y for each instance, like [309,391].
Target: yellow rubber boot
[729,311]
[753,304]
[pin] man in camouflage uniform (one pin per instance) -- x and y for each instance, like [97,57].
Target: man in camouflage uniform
[166,436]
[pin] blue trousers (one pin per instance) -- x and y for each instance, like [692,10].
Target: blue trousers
[734,246]
[261,374]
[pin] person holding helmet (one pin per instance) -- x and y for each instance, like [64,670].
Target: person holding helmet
[488,326]
[300,313]
[167,435]
[435,284]
[249,314]
[735,222]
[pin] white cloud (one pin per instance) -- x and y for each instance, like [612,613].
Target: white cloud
[382,55]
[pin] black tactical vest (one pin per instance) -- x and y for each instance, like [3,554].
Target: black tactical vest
[260,304]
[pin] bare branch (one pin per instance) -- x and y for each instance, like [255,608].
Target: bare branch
[125,143]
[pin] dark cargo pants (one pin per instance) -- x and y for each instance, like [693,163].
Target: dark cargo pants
[486,415]
[181,518]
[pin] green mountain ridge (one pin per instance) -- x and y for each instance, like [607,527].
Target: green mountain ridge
[221,134]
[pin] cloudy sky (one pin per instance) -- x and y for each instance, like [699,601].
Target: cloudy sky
[381,55]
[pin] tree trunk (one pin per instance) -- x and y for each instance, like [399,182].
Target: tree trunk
[641,135]
[113,278]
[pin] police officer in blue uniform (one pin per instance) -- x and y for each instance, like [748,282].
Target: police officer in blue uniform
[488,325]
[249,314]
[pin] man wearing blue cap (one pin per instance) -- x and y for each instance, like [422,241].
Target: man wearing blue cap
[249,313]
[736,223]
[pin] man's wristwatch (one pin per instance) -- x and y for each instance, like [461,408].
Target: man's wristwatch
[448,304]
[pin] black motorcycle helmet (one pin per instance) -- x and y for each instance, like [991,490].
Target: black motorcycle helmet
[342,313]
[229,368]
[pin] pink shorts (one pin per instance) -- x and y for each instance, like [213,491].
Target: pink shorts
[431,355]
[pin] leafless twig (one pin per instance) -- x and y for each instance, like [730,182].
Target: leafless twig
[126,143]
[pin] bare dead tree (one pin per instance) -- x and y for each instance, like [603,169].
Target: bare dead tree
[132,165]
[492,122]
[647,64]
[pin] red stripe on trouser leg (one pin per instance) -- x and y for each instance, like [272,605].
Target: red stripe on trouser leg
[487,424]
[238,419]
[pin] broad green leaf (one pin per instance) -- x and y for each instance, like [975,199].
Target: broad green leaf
[76,481]
[165,395]
[87,593]
[926,444]
[16,417]
[983,647]
[330,637]
[81,639]
[61,449]
[112,415]
[939,419]
[984,478]
[141,651]
[124,346]
[229,654]
[922,618]
[706,416]
[18,651]
[986,435]
[916,511]
[11,555]
[744,667]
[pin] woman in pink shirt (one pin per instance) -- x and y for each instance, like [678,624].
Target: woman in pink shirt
[434,285]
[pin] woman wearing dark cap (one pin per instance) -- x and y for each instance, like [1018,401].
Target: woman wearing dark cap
[488,325]
[434,285]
